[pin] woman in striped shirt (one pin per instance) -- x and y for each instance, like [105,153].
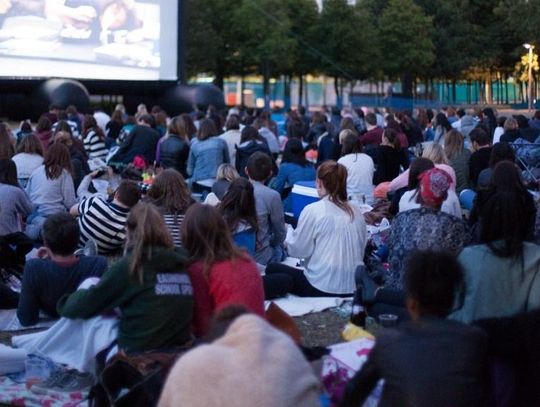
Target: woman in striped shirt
[171,195]
[93,139]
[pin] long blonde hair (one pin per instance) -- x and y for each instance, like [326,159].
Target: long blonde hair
[145,229]
[453,143]
[435,153]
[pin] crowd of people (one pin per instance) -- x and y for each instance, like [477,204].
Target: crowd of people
[197,218]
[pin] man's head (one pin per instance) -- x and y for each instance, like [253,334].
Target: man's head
[128,194]
[432,280]
[479,138]
[147,120]
[259,167]
[371,119]
[61,234]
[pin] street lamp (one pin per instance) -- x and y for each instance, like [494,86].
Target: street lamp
[530,48]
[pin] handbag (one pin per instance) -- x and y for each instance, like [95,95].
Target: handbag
[134,380]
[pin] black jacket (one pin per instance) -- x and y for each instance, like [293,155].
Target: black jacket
[174,153]
[243,153]
[431,362]
[515,341]
[142,140]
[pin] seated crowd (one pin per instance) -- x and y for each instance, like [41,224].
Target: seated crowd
[460,264]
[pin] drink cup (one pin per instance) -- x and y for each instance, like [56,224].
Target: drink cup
[388,320]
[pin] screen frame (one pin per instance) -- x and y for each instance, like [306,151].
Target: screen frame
[114,86]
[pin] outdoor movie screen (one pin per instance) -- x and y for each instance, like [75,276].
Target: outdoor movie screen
[89,39]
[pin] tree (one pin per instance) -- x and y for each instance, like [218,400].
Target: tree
[303,16]
[405,35]
[453,37]
[211,43]
[348,40]
[263,30]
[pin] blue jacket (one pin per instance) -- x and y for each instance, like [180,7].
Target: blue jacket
[205,157]
[288,175]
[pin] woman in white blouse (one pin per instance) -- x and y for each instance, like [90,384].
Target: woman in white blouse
[360,168]
[330,237]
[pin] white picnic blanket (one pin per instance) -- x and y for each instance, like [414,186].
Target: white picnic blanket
[74,342]
[10,322]
[298,306]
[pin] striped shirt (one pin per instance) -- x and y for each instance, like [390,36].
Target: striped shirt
[94,146]
[174,222]
[104,222]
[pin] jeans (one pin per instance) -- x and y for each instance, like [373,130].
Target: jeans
[280,280]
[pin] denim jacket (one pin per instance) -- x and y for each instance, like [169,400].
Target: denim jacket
[205,157]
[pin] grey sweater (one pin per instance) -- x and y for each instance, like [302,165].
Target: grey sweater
[271,228]
[51,195]
[13,204]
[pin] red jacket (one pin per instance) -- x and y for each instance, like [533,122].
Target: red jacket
[229,282]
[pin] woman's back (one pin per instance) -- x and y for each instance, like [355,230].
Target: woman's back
[422,229]
[232,281]
[156,314]
[499,286]
[332,245]
[389,161]
[51,195]
[460,165]
[360,169]
[450,205]
[26,164]
[205,157]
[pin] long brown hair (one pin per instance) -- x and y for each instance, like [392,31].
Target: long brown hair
[334,179]
[207,238]
[145,229]
[177,126]
[453,143]
[90,124]
[238,205]
[170,193]
[30,144]
[56,160]
[6,146]
[207,129]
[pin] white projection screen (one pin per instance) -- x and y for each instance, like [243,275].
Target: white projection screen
[89,39]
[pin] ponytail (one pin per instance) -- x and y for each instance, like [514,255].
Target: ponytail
[392,137]
[334,179]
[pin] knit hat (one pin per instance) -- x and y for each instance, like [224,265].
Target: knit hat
[253,364]
[434,184]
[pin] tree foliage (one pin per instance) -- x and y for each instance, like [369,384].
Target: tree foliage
[407,39]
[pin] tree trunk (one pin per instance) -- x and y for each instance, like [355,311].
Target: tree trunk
[306,92]
[242,87]
[339,101]
[407,85]
[506,88]
[287,91]
[266,85]
[219,80]
[300,89]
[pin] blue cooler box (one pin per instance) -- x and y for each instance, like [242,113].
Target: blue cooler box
[303,193]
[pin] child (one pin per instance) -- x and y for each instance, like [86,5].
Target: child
[430,361]
[271,219]
[57,272]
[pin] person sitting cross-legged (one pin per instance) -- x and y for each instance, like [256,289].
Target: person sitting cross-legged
[430,361]
[105,222]
[57,271]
